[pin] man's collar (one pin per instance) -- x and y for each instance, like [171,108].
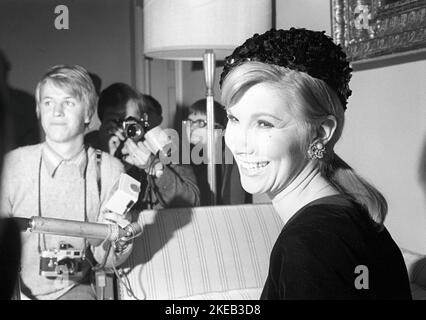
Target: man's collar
[53,160]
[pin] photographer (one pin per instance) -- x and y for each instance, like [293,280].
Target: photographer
[63,179]
[162,186]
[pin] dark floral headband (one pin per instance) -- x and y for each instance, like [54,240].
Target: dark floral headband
[303,50]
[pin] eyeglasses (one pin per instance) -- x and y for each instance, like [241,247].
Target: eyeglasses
[201,123]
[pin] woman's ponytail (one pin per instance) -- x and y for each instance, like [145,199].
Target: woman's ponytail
[349,183]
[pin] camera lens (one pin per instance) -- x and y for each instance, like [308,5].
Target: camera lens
[133,131]
[68,265]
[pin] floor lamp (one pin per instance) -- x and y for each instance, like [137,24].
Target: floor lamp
[207,30]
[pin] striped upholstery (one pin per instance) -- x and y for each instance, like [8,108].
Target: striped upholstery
[219,252]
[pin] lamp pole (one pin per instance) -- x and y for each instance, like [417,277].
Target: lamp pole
[209,69]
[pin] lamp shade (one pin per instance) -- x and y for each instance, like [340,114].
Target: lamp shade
[184,29]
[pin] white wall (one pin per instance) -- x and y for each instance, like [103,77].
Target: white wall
[98,38]
[309,14]
[385,140]
[163,89]
[194,85]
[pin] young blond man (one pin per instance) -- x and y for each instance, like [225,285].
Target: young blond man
[61,178]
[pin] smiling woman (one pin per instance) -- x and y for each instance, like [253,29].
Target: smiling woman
[286,92]
[265,144]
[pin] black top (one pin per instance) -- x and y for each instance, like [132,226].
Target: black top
[331,249]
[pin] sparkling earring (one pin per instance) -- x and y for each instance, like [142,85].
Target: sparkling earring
[316,150]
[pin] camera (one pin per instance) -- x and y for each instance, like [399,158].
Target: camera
[135,129]
[62,261]
[154,138]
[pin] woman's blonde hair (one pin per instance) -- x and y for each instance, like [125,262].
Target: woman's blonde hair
[311,101]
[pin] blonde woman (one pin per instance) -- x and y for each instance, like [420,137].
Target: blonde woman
[286,93]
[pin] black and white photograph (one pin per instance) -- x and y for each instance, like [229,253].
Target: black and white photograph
[213,154]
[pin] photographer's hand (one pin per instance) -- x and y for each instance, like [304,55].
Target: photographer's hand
[122,220]
[156,169]
[139,155]
[116,139]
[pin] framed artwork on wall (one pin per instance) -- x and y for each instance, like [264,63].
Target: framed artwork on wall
[380,32]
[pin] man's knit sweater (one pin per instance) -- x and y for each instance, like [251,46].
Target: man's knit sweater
[61,196]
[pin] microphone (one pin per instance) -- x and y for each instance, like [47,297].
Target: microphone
[71,228]
[126,195]
[157,140]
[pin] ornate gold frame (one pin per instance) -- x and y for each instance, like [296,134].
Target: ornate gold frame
[371,30]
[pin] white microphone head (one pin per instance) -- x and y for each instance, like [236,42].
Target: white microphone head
[125,196]
[156,140]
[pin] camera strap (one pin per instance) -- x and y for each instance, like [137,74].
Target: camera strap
[98,171]
[152,187]
[101,265]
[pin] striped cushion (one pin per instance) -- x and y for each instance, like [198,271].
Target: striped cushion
[219,252]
